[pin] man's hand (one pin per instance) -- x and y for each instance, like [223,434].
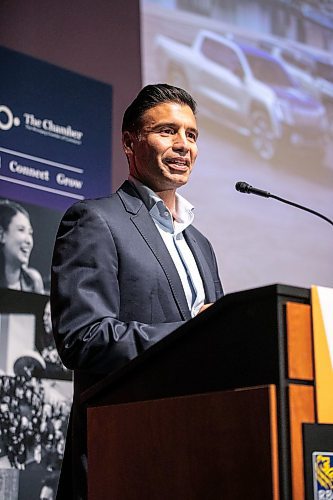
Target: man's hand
[204,307]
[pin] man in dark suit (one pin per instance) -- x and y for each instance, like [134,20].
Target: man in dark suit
[129,269]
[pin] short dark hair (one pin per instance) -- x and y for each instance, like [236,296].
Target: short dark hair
[151,96]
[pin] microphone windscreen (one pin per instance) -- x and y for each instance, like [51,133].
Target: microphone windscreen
[242,186]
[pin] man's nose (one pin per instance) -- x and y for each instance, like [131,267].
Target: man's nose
[181,142]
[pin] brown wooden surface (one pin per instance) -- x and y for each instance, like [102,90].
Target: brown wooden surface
[302,410]
[274,442]
[299,339]
[211,446]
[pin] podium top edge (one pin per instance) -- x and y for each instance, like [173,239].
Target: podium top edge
[274,289]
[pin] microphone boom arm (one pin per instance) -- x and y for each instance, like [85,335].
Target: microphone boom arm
[244,187]
[301,207]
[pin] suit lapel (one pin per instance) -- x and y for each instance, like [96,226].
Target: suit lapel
[146,227]
[203,267]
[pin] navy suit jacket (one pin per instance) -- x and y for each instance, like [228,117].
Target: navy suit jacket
[115,290]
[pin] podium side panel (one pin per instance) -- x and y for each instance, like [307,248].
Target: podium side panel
[299,338]
[302,410]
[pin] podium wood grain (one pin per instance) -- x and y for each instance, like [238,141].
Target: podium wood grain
[219,445]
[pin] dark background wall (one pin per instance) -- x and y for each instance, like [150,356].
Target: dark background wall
[99,39]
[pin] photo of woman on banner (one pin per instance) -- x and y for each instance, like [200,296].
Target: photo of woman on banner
[16,244]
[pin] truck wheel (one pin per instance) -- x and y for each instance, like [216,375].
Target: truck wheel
[177,78]
[262,136]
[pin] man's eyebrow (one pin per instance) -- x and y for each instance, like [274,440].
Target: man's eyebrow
[163,124]
[171,125]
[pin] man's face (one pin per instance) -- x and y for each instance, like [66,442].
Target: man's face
[163,154]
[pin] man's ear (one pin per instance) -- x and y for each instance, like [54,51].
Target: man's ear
[128,142]
[2,235]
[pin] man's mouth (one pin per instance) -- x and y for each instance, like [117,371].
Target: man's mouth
[177,163]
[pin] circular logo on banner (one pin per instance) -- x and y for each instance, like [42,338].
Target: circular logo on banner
[7,119]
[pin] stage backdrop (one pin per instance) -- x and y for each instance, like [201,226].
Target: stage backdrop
[55,149]
[64,86]
[262,74]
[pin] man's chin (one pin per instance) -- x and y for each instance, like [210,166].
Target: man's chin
[179,178]
[171,181]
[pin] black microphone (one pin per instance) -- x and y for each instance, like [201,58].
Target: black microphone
[244,187]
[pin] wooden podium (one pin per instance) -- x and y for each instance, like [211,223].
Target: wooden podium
[213,411]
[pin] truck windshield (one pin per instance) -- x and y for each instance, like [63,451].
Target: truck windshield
[268,71]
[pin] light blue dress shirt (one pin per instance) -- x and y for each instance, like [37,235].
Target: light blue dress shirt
[171,229]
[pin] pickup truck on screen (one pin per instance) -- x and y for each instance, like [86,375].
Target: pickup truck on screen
[247,89]
[310,68]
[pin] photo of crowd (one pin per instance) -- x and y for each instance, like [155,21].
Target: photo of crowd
[35,387]
[33,423]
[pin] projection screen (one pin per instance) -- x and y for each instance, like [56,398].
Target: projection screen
[262,75]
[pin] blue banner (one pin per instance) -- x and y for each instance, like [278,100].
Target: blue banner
[55,133]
